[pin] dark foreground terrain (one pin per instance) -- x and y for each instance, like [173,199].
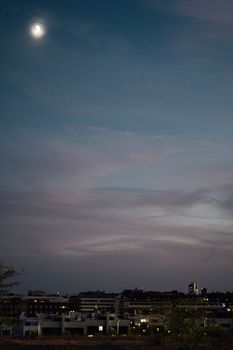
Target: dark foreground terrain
[111,343]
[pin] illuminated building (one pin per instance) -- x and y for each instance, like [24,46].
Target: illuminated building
[193,288]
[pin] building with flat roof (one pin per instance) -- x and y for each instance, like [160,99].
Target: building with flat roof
[193,288]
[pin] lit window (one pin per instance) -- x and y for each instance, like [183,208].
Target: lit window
[143,320]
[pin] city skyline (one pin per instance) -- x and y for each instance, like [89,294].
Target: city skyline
[116,143]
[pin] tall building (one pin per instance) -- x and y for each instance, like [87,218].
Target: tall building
[203,292]
[193,288]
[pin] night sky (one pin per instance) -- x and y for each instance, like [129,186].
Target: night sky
[116,135]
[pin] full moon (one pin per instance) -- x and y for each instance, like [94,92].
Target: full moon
[37,30]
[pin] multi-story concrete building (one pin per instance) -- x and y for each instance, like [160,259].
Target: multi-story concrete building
[193,288]
[74,324]
[95,301]
[14,305]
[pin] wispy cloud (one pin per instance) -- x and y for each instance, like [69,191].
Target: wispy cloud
[210,10]
[77,196]
[207,10]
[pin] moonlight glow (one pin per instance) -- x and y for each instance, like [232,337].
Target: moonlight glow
[37,30]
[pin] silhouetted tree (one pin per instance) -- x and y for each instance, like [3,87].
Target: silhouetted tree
[7,276]
[187,326]
[7,273]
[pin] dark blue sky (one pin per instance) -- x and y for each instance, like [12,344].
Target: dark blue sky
[116,143]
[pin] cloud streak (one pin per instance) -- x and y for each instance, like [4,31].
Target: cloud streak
[60,213]
[208,10]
